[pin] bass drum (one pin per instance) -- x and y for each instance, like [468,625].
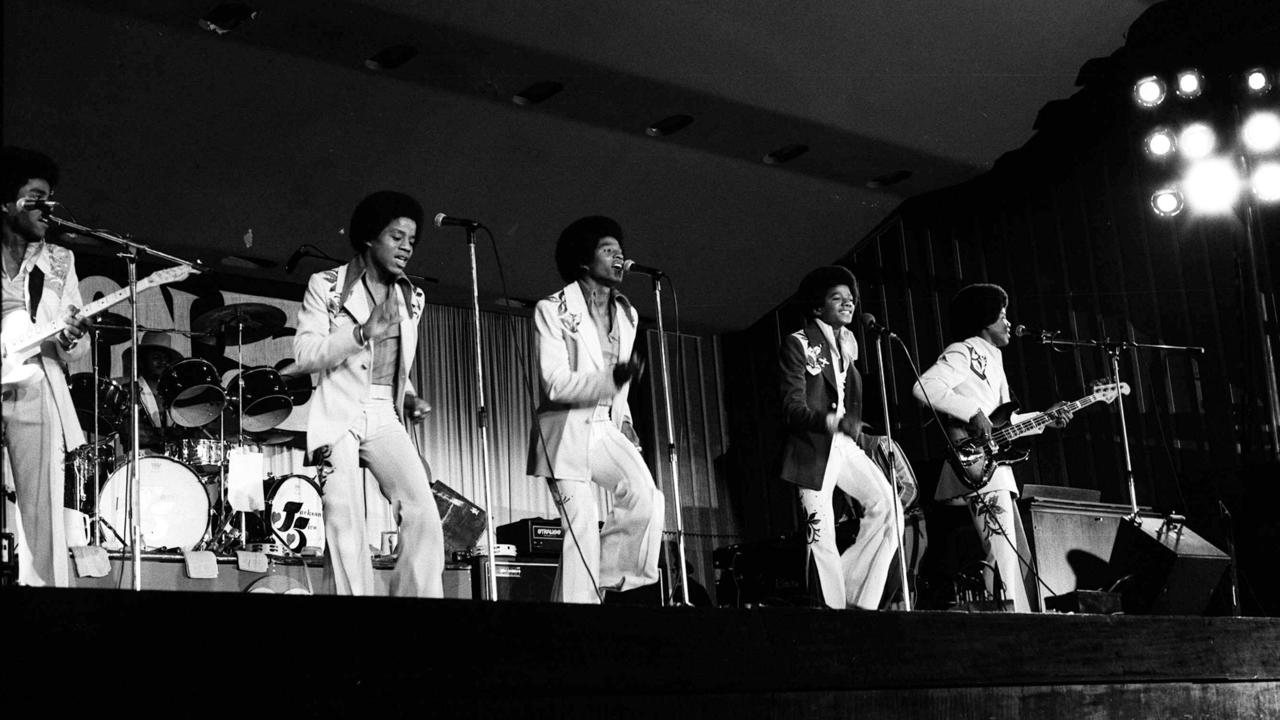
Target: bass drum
[293,521]
[174,505]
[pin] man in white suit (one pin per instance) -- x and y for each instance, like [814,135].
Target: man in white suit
[358,328]
[40,286]
[585,336]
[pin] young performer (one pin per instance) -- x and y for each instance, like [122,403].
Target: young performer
[822,403]
[584,338]
[40,286]
[965,385]
[358,328]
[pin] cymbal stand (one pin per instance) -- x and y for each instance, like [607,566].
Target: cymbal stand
[133,487]
[95,532]
[672,460]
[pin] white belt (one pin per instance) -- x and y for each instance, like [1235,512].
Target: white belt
[602,413]
[381,392]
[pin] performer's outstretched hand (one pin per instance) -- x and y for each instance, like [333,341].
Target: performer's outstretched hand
[383,320]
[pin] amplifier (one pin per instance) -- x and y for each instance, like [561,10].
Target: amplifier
[525,579]
[533,537]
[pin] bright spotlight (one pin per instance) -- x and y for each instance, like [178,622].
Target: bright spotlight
[1190,84]
[1197,140]
[1261,132]
[1166,202]
[1266,181]
[1257,82]
[1160,143]
[1149,91]
[1211,186]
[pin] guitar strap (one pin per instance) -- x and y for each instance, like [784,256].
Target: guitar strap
[35,289]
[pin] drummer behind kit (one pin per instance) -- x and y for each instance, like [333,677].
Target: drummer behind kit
[184,498]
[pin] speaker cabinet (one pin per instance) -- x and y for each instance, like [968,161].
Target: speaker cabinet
[1165,568]
[1071,544]
[1159,567]
[522,579]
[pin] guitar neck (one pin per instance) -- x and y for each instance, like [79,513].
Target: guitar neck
[1037,421]
[40,333]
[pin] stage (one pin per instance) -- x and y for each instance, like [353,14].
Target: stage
[178,653]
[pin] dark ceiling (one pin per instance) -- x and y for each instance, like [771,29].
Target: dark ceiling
[252,142]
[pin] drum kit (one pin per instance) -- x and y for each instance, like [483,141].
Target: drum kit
[208,418]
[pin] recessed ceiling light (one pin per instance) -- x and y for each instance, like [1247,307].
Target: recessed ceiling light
[888,179]
[537,92]
[390,58]
[785,154]
[668,125]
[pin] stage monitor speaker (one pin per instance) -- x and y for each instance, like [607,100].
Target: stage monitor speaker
[1165,568]
[523,579]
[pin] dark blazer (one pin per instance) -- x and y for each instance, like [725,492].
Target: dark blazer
[809,393]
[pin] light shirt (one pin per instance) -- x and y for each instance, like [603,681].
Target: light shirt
[15,288]
[843,353]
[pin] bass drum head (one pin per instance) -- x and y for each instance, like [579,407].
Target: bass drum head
[295,513]
[174,505]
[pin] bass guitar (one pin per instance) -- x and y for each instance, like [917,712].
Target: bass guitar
[20,339]
[975,460]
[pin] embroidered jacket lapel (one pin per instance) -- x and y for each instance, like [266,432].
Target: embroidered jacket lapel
[588,337]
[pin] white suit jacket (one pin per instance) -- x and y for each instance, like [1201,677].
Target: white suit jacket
[325,343]
[61,291]
[968,377]
[574,380]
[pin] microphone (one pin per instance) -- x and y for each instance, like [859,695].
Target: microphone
[442,220]
[874,327]
[41,205]
[293,260]
[1042,335]
[633,266]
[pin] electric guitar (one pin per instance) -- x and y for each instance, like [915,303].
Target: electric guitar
[20,339]
[975,461]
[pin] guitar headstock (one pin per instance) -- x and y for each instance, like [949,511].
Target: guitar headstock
[177,273]
[1107,392]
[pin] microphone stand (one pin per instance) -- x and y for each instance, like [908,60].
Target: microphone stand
[133,487]
[1112,349]
[671,445]
[482,419]
[893,475]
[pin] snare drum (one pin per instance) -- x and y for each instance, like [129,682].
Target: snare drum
[174,505]
[191,392]
[205,455]
[293,521]
[111,400]
[261,394]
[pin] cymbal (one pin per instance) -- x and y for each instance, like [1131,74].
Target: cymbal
[240,322]
[112,328]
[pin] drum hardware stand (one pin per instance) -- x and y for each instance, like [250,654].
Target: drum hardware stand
[672,460]
[898,523]
[134,491]
[482,413]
